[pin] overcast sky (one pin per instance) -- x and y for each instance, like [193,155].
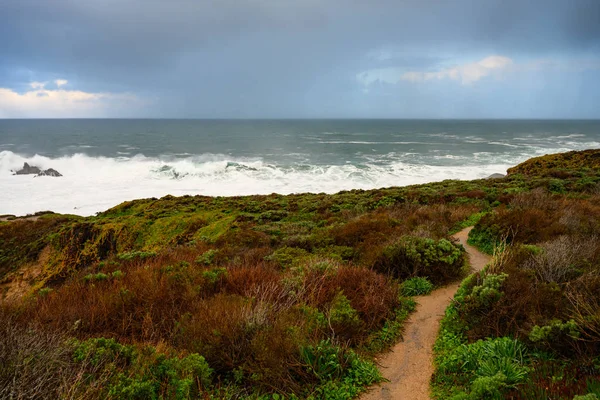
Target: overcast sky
[300,58]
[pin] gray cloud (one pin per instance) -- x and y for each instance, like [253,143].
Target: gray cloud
[272,58]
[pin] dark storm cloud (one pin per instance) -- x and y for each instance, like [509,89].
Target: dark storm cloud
[280,57]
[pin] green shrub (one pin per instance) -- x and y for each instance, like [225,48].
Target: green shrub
[342,318]
[556,186]
[589,396]
[416,286]
[488,292]
[340,253]
[486,238]
[207,257]
[95,277]
[45,291]
[586,184]
[142,373]
[132,255]
[439,260]
[341,372]
[324,361]
[99,350]
[485,368]
[117,274]
[214,275]
[488,387]
[556,335]
[287,256]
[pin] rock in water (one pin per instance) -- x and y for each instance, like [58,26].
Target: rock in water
[49,172]
[28,170]
[33,170]
[496,176]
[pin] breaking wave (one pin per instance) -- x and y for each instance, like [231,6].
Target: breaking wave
[93,184]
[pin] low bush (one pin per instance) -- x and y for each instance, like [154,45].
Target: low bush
[144,373]
[416,287]
[440,261]
[133,255]
[95,277]
[206,258]
[341,372]
[372,295]
[287,256]
[554,335]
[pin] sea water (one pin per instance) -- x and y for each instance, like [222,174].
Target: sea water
[106,162]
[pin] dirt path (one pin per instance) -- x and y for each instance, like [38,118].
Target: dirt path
[409,365]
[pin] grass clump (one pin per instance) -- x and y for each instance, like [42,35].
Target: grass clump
[341,373]
[416,286]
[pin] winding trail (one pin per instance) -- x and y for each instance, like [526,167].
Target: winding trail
[409,365]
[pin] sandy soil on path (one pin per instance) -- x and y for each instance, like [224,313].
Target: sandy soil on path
[409,366]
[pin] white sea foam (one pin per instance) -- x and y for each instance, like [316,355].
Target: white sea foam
[93,184]
[371,143]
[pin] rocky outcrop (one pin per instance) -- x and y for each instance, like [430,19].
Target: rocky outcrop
[33,170]
[28,170]
[49,172]
[495,176]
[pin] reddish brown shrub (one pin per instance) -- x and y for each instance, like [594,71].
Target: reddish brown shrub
[473,194]
[143,304]
[234,333]
[252,281]
[217,330]
[372,227]
[372,295]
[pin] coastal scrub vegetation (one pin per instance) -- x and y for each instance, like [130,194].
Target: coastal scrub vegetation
[272,297]
[528,326]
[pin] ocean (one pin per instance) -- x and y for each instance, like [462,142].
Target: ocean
[105,162]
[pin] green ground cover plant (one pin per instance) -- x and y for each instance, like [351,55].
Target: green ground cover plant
[416,287]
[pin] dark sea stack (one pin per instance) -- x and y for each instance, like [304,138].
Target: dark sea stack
[33,170]
[28,170]
[49,172]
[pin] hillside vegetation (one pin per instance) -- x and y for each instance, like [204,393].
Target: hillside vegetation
[292,296]
[528,327]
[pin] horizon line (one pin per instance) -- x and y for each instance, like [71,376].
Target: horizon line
[306,119]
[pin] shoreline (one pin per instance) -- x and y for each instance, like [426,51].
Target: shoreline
[6,216]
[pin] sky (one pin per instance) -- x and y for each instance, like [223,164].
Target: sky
[300,58]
